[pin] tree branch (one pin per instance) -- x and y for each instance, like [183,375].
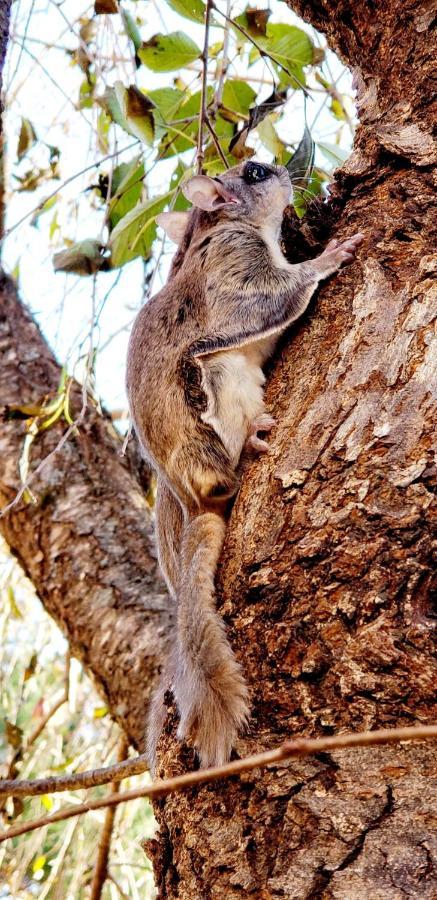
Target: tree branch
[263,53]
[53,709]
[92,778]
[297,748]
[88,544]
[204,92]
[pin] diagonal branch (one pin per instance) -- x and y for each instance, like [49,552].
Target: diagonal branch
[289,749]
[262,52]
[88,544]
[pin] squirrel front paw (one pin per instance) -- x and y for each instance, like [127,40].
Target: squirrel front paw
[338,253]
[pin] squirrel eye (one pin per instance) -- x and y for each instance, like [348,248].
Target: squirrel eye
[255,172]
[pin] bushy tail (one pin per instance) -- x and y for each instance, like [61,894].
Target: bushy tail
[209,687]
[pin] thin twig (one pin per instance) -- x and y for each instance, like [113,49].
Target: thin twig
[55,83]
[86,388]
[119,888]
[204,91]
[44,462]
[101,868]
[67,181]
[261,51]
[92,778]
[49,715]
[71,178]
[216,141]
[224,61]
[23,39]
[58,703]
[287,750]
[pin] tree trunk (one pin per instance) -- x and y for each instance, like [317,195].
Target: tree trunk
[325,578]
[87,545]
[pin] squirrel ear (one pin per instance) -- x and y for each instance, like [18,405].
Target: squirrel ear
[207,193]
[174,224]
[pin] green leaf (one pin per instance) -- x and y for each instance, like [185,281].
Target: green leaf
[165,52]
[256,114]
[337,109]
[190,9]
[271,139]
[83,258]
[136,110]
[291,47]
[238,96]
[86,91]
[103,125]
[181,135]
[215,49]
[134,233]
[127,191]
[43,208]
[167,102]
[131,28]
[180,204]
[108,101]
[26,139]
[54,226]
[334,154]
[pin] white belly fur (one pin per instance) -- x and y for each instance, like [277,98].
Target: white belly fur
[234,382]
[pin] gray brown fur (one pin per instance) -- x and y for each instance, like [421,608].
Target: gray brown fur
[195,387]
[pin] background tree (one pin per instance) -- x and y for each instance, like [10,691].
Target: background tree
[326,573]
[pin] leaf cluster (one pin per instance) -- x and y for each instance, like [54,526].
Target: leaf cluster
[279,61]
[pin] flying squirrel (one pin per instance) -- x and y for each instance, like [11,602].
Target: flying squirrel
[195,386]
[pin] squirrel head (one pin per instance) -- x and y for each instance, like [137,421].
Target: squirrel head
[253,192]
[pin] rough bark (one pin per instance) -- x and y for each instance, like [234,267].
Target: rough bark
[87,545]
[325,581]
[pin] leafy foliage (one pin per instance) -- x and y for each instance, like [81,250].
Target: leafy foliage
[166,52]
[135,232]
[190,9]
[243,112]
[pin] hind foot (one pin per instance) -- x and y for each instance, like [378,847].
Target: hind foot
[263,422]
